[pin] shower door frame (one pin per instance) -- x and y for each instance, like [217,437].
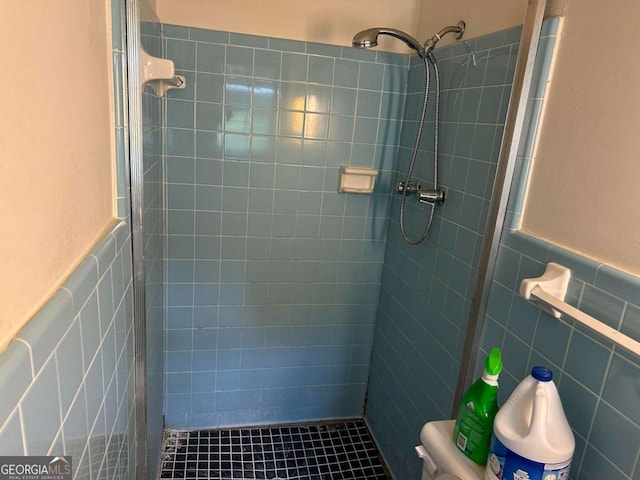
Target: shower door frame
[500,195]
[136,169]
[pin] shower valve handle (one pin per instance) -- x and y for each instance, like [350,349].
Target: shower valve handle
[434,197]
[427,195]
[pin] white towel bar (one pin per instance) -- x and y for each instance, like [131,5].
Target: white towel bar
[531,289]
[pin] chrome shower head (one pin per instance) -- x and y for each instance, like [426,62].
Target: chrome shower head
[369,38]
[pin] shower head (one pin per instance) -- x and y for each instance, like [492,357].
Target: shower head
[369,38]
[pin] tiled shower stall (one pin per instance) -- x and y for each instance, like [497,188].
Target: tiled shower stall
[288,301]
[276,282]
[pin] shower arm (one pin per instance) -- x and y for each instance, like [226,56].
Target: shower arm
[458,29]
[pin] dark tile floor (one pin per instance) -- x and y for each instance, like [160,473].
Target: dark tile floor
[327,451]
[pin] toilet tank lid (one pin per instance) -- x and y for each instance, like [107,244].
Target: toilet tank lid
[437,439]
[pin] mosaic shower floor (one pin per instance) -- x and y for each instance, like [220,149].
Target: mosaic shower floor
[327,451]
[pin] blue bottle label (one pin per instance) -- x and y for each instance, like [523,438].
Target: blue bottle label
[504,464]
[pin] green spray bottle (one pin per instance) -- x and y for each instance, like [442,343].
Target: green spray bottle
[474,424]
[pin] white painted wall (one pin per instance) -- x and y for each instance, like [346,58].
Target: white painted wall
[481,17]
[327,21]
[56,137]
[336,21]
[584,193]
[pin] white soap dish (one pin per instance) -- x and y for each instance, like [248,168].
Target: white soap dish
[357,179]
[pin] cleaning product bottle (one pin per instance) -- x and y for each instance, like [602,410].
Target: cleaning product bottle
[532,439]
[472,432]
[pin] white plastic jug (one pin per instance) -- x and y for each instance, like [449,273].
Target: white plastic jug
[532,439]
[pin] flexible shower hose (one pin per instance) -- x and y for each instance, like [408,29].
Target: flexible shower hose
[428,59]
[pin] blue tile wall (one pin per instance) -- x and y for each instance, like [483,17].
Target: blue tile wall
[427,289]
[272,276]
[68,378]
[598,384]
[153,227]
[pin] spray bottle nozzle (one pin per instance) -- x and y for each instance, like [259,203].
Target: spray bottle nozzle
[493,365]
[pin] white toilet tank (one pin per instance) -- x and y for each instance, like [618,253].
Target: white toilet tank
[441,458]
